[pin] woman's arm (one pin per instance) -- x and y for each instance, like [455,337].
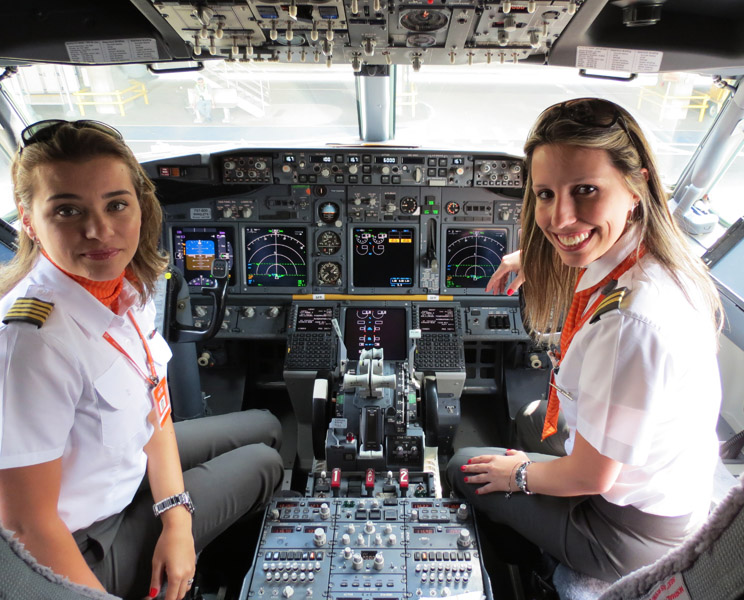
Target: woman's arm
[174,554]
[511,263]
[28,506]
[583,472]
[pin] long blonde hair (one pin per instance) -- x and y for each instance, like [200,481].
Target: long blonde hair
[600,124]
[77,142]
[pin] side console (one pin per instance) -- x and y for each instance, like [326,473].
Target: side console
[367,549]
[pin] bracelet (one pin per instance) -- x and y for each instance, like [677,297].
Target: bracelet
[508,483]
[521,477]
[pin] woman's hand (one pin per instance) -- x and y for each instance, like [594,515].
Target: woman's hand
[511,263]
[175,558]
[493,471]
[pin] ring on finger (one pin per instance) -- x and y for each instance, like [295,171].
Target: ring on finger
[190,581]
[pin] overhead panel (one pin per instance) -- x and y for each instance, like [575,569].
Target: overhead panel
[415,32]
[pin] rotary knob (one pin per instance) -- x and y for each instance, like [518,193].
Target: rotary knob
[385,170]
[462,512]
[288,591]
[356,562]
[346,539]
[379,561]
[464,540]
[200,311]
[369,527]
[273,313]
[248,312]
[319,537]
[227,212]
[392,539]
[325,172]
[378,540]
[351,528]
[347,553]
[353,170]
[325,512]
[260,165]
[388,529]
[246,212]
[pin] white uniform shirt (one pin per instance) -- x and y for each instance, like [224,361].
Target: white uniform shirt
[645,388]
[66,392]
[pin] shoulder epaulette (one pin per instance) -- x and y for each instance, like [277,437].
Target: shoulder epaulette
[610,302]
[29,310]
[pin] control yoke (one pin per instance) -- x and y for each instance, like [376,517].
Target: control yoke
[370,379]
[179,333]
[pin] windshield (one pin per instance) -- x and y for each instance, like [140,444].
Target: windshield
[236,104]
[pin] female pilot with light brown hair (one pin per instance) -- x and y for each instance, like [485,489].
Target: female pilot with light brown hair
[84,405]
[628,474]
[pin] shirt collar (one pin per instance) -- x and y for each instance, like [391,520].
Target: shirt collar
[596,271]
[80,304]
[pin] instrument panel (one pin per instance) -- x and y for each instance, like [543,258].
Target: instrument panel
[342,222]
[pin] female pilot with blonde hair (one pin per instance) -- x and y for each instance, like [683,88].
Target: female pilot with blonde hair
[84,411]
[636,376]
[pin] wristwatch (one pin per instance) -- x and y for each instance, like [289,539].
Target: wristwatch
[520,477]
[182,499]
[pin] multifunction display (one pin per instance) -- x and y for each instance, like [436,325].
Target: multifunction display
[314,318]
[196,248]
[384,257]
[473,255]
[276,256]
[437,320]
[384,328]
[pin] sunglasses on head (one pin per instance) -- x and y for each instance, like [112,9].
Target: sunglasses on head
[45,130]
[593,112]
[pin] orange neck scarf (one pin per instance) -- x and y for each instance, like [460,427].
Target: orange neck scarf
[106,292]
[577,316]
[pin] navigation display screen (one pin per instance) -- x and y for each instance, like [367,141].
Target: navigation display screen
[368,328]
[472,256]
[194,251]
[276,257]
[384,257]
[437,320]
[314,318]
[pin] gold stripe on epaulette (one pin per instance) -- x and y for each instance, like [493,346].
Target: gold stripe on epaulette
[611,302]
[29,310]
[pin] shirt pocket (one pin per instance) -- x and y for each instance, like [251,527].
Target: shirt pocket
[121,405]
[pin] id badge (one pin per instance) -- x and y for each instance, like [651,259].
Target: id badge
[161,402]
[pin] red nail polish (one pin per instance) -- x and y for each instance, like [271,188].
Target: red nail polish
[469,460]
[153,592]
[477,491]
[509,292]
[465,479]
[462,467]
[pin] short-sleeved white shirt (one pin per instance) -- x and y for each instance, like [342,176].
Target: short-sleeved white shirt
[66,392]
[645,388]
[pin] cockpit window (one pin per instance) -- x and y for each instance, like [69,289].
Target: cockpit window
[239,104]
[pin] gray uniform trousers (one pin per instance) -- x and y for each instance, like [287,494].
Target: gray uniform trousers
[586,533]
[231,467]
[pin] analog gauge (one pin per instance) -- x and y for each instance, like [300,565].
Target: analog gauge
[329,242]
[452,208]
[408,205]
[329,273]
[328,212]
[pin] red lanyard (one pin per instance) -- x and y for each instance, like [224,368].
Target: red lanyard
[152,379]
